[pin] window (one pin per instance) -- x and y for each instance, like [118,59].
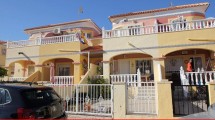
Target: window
[39,97]
[4,96]
[197,63]
[88,35]
[63,70]
[145,66]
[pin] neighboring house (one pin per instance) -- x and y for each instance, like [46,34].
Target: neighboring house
[54,52]
[2,53]
[168,36]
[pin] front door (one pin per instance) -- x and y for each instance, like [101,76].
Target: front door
[124,67]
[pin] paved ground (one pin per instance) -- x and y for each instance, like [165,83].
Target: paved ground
[72,116]
[210,114]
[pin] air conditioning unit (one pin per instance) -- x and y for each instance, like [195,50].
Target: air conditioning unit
[123,20]
[57,31]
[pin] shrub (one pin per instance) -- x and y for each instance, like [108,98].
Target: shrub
[3,72]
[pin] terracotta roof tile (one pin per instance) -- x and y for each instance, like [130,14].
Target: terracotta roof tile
[160,10]
[2,42]
[65,23]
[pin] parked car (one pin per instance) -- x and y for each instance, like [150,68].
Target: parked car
[26,101]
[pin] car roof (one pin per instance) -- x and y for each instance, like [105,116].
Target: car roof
[23,86]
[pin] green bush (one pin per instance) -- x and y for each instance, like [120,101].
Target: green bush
[100,90]
[3,72]
[96,81]
[99,70]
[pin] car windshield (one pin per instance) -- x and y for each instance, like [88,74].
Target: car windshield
[39,97]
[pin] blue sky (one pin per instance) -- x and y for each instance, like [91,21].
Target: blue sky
[17,15]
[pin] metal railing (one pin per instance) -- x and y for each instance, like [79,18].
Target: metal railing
[160,28]
[190,99]
[92,99]
[142,99]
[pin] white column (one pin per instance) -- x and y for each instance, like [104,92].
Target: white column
[138,77]
[159,72]
[106,69]
[88,57]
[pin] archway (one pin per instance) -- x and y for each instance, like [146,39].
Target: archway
[128,63]
[21,69]
[202,59]
[57,68]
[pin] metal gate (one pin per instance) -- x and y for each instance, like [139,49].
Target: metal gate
[141,98]
[189,99]
[91,99]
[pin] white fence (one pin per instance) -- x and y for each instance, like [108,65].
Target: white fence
[92,99]
[130,79]
[200,77]
[63,80]
[17,78]
[42,41]
[142,99]
[160,28]
[58,39]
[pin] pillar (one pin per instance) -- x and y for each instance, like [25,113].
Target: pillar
[77,72]
[119,95]
[211,92]
[156,63]
[164,93]
[106,70]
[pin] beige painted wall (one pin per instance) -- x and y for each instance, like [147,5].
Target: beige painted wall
[18,70]
[178,38]
[2,56]
[13,56]
[123,43]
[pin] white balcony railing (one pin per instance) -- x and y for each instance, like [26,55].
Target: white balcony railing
[58,39]
[160,28]
[200,77]
[42,41]
[130,79]
[63,80]
[17,78]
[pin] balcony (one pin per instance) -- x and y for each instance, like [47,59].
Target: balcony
[160,28]
[42,41]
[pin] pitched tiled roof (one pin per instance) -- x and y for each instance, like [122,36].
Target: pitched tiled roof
[161,10]
[65,23]
[2,42]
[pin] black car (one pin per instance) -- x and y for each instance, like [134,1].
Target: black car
[26,101]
